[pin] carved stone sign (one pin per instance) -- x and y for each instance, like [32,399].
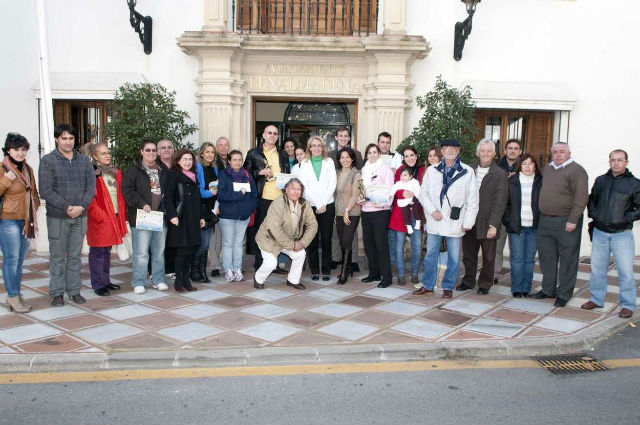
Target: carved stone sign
[306,78]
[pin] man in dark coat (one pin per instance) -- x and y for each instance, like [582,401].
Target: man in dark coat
[494,186]
[614,204]
[264,162]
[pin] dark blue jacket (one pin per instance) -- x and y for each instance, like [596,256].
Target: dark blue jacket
[235,205]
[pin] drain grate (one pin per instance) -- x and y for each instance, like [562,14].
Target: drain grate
[570,364]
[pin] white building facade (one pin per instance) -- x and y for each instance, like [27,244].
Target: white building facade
[540,70]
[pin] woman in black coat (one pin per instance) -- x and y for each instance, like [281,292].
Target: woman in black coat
[521,221]
[186,216]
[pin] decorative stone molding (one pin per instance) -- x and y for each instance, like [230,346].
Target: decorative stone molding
[234,68]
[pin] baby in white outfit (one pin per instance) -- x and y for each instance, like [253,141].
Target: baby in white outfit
[408,206]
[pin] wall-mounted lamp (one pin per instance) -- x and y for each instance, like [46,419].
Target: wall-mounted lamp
[142,25]
[463,29]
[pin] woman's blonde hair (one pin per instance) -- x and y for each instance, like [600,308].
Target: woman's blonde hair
[202,148]
[324,146]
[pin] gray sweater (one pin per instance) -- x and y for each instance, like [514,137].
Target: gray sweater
[65,182]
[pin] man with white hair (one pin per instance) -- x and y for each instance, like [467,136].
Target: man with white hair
[493,184]
[563,197]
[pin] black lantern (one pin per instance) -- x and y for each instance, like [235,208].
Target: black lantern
[142,25]
[463,29]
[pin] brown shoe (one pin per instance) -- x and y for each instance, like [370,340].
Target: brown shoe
[257,285]
[423,291]
[590,305]
[447,294]
[625,313]
[296,285]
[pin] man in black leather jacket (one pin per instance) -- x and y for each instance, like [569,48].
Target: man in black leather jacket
[614,204]
[264,162]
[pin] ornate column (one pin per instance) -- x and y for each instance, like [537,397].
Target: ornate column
[215,15]
[394,19]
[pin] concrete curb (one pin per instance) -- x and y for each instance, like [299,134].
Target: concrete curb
[274,356]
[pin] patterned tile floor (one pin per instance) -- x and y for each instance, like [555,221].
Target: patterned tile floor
[233,315]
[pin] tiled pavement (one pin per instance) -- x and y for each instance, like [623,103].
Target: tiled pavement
[235,315]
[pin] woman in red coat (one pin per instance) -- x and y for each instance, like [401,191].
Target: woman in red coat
[396,222]
[106,219]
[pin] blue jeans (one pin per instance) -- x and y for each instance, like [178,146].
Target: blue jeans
[232,237]
[431,261]
[205,239]
[14,247]
[416,250]
[142,240]
[523,258]
[621,245]
[391,237]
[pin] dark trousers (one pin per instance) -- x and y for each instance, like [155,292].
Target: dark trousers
[470,248]
[346,232]
[325,229]
[99,264]
[559,253]
[261,214]
[184,257]
[376,243]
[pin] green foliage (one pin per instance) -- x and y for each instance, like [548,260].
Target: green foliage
[448,113]
[145,110]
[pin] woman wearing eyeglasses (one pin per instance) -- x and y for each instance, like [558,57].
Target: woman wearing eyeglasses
[143,187]
[18,209]
[106,218]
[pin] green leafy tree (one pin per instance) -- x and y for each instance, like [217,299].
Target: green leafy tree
[447,113]
[145,110]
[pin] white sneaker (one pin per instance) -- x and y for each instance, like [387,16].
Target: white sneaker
[161,286]
[229,275]
[170,276]
[237,275]
[418,285]
[139,290]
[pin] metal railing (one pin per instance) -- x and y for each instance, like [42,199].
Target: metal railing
[306,17]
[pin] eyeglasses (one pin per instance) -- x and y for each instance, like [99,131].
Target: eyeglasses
[166,148]
[150,150]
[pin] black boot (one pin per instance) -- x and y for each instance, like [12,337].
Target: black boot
[195,274]
[345,270]
[203,268]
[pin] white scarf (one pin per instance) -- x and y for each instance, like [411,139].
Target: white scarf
[369,170]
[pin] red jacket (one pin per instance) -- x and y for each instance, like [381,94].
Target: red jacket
[103,227]
[395,222]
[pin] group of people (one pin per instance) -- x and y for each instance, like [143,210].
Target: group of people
[207,202]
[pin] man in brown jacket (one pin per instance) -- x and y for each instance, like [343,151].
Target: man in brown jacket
[494,186]
[563,198]
[289,227]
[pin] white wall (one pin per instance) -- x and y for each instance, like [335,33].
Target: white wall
[92,36]
[588,45]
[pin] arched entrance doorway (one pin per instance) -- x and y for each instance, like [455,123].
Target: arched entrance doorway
[301,119]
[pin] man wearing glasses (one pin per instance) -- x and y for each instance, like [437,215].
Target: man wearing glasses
[165,154]
[264,162]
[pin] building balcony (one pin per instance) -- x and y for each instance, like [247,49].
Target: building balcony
[341,18]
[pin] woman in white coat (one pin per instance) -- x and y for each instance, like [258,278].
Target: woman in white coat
[318,174]
[449,197]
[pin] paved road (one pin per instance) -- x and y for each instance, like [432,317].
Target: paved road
[510,395]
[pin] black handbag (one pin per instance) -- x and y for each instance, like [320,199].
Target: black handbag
[180,202]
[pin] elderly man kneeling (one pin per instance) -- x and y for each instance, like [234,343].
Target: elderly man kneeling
[288,228]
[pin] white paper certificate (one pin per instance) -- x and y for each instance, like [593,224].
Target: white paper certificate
[377,194]
[237,187]
[282,179]
[153,220]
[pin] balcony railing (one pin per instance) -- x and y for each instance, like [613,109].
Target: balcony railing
[306,17]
